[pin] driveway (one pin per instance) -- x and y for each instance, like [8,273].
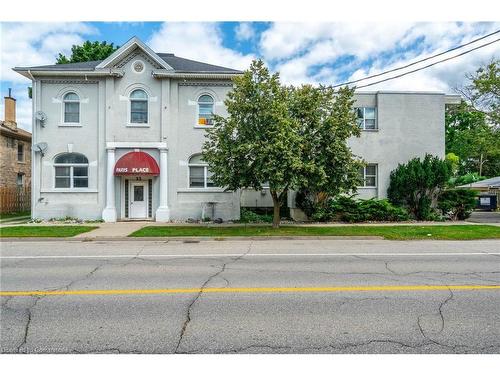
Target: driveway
[290,296]
[486,217]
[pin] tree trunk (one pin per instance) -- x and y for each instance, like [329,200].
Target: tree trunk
[481,165]
[276,210]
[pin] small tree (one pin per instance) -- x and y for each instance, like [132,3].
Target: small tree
[417,184]
[259,141]
[457,204]
[88,51]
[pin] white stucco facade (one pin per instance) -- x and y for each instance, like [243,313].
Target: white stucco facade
[408,125]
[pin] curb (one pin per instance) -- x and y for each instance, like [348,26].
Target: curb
[187,239]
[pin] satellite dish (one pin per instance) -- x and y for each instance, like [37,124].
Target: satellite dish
[41,116]
[40,147]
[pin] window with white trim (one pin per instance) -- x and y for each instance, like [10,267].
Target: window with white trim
[366,118]
[205,110]
[199,174]
[71,171]
[138,107]
[71,108]
[368,175]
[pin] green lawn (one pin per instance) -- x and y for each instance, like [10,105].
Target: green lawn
[44,231]
[445,232]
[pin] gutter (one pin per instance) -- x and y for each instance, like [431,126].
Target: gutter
[160,74]
[69,73]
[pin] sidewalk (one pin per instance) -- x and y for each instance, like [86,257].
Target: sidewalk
[114,230]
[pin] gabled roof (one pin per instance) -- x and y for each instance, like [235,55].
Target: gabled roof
[168,62]
[128,47]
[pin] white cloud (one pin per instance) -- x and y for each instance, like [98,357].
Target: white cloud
[25,44]
[31,44]
[317,53]
[197,41]
[244,31]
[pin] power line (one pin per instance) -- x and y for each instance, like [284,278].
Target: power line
[429,65]
[416,62]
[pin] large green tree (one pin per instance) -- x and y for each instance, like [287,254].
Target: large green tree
[483,91]
[326,120]
[258,141]
[287,137]
[473,140]
[88,51]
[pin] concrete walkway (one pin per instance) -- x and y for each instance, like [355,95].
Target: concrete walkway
[114,230]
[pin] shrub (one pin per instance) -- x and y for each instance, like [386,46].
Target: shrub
[249,216]
[468,178]
[417,184]
[457,204]
[353,210]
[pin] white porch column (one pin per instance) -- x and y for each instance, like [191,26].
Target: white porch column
[109,213]
[163,213]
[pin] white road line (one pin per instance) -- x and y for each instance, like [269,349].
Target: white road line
[111,256]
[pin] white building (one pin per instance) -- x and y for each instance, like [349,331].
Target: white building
[124,137]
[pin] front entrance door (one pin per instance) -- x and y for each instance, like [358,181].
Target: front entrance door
[138,200]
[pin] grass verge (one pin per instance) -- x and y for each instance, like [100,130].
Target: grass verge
[413,232]
[44,231]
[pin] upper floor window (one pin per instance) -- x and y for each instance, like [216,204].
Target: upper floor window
[366,118]
[72,171]
[205,110]
[368,174]
[71,108]
[199,174]
[20,152]
[138,107]
[11,142]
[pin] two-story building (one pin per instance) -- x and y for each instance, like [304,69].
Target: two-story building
[124,136]
[15,150]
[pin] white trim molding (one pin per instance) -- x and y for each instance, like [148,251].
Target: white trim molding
[115,145]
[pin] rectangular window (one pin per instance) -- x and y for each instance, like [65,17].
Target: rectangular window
[11,142]
[366,118]
[80,177]
[20,179]
[197,177]
[63,177]
[72,112]
[72,177]
[205,114]
[20,152]
[139,111]
[369,175]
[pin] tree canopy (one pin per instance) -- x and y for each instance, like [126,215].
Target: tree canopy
[473,127]
[283,136]
[88,51]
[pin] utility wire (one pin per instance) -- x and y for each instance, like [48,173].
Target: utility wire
[429,65]
[416,62]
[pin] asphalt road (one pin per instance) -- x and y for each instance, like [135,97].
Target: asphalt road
[317,296]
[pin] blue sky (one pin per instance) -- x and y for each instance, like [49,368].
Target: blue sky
[313,52]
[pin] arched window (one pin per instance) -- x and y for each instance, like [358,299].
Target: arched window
[71,108]
[138,107]
[205,110]
[199,174]
[71,171]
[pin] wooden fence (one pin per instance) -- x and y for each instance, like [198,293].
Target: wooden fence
[15,199]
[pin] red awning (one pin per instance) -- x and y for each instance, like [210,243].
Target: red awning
[137,163]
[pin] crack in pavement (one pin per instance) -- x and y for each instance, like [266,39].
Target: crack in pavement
[203,286]
[28,324]
[442,320]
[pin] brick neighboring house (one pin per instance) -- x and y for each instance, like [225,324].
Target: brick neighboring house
[15,160]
